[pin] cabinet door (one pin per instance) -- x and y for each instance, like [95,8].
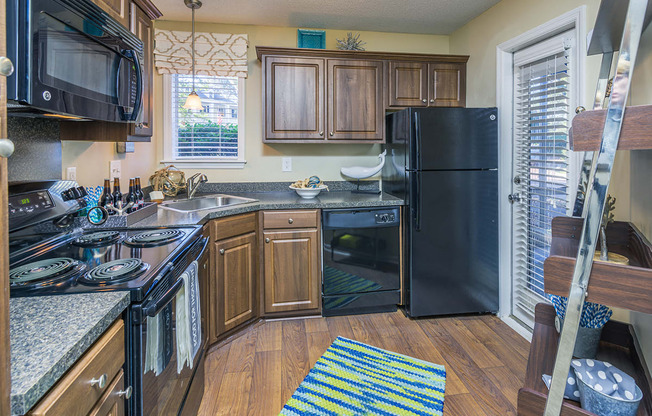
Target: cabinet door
[141,26]
[292,270]
[408,84]
[117,9]
[355,100]
[447,85]
[294,98]
[233,298]
[113,402]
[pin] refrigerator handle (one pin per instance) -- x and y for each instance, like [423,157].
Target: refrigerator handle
[416,210]
[417,139]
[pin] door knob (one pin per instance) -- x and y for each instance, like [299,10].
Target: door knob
[331,133]
[432,101]
[267,240]
[222,251]
[424,100]
[321,133]
[6,67]
[6,148]
[290,221]
[99,382]
[514,198]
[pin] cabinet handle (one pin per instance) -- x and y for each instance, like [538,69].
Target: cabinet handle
[126,393]
[6,67]
[99,382]
[424,100]
[432,101]
[331,133]
[290,221]
[222,251]
[321,133]
[267,240]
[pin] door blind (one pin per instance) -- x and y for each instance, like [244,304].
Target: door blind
[541,165]
[213,131]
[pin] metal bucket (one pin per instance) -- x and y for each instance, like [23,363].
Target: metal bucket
[603,405]
[588,339]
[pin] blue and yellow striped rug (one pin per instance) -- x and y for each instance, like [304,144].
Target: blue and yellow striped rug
[353,378]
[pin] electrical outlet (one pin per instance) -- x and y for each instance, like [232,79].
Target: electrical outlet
[286,165]
[71,173]
[115,169]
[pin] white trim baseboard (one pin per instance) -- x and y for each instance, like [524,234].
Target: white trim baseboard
[517,326]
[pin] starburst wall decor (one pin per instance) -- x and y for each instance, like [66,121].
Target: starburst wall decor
[351,43]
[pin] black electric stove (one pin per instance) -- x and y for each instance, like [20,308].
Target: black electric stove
[78,261]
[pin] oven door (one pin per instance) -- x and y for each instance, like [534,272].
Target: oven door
[78,62]
[159,388]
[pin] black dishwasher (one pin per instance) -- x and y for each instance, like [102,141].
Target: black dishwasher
[361,260]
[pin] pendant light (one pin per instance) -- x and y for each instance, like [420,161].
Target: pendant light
[193,102]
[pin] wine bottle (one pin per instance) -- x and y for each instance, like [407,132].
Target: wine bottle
[139,193]
[106,198]
[117,195]
[131,196]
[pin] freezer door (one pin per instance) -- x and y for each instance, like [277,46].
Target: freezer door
[453,243]
[454,138]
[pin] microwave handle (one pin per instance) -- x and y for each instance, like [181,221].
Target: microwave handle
[139,85]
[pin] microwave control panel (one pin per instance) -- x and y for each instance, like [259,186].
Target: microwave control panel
[29,203]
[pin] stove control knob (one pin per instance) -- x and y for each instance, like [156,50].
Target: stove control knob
[100,383]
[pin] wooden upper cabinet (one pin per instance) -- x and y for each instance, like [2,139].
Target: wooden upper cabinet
[292,270]
[141,26]
[355,100]
[408,84]
[234,296]
[294,98]
[118,9]
[447,85]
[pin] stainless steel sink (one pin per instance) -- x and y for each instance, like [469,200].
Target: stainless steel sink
[205,202]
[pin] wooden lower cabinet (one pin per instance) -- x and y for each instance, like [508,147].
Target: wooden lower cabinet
[292,270]
[234,289]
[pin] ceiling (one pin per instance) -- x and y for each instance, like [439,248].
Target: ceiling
[439,17]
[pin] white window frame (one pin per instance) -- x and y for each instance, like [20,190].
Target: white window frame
[572,20]
[207,163]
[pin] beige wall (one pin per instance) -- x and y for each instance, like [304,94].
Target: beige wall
[263,161]
[630,181]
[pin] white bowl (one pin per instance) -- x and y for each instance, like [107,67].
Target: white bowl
[308,193]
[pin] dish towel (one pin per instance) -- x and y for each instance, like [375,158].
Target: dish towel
[153,344]
[188,313]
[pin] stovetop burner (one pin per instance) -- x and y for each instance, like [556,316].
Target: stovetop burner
[98,239]
[115,271]
[44,272]
[154,238]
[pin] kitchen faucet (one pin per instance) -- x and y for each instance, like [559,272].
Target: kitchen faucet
[192,186]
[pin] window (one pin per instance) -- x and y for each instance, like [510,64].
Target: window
[212,137]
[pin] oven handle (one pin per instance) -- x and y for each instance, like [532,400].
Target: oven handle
[139,85]
[153,309]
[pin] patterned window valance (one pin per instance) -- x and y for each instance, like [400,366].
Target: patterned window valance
[218,54]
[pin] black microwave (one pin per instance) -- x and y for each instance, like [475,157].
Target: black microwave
[72,60]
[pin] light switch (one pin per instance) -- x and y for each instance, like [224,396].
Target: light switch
[71,173]
[115,169]
[286,165]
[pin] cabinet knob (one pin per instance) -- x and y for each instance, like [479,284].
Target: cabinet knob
[290,221]
[267,240]
[432,101]
[6,148]
[222,251]
[424,100]
[321,133]
[6,67]
[331,133]
[100,383]
[126,393]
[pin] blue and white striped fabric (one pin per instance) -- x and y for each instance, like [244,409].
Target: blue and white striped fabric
[353,378]
[594,315]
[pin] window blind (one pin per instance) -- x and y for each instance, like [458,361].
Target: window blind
[213,131]
[541,164]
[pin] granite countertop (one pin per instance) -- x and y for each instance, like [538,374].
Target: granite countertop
[49,334]
[270,200]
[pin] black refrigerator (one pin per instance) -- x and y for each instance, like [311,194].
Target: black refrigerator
[444,163]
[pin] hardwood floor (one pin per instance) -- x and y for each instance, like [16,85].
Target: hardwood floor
[257,372]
